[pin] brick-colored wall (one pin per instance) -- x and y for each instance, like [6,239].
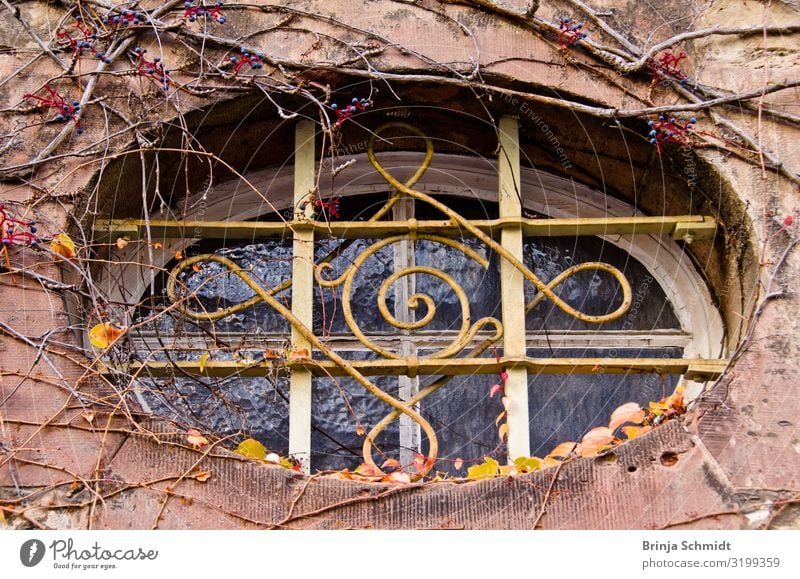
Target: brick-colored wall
[738,448]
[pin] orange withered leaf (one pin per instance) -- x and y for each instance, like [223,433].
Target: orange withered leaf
[104,334]
[63,245]
[629,412]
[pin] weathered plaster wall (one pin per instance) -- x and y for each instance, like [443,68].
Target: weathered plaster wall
[738,450]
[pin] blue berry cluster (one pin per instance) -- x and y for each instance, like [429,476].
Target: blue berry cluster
[155,69]
[571,32]
[247,57]
[87,43]
[670,130]
[356,105]
[195,11]
[125,18]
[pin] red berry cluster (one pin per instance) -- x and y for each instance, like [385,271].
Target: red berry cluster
[86,39]
[670,130]
[194,12]
[154,69]
[13,231]
[571,33]
[356,106]
[247,57]
[66,111]
[329,208]
[667,66]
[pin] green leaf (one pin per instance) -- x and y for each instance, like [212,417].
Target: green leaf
[251,448]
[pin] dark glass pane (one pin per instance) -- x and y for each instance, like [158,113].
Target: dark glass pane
[481,285]
[248,407]
[595,293]
[564,407]
[463,417]
[338,406]
[328,312]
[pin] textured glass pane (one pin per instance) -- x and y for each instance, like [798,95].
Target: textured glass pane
[339,406]
[249,407]
[481,285]
[363,295]
[590,292]
[463,415]
[564,407]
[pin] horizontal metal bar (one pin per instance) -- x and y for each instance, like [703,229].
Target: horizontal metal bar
[693,369]
[688,227]
[434,340]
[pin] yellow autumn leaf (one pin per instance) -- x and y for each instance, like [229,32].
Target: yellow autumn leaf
[63,245]
[528,464]
[488,469]
[676,401]
[202,362]
[104,334]
[635,431]
[251,448]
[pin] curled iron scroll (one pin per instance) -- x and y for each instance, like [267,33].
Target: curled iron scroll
[467,331]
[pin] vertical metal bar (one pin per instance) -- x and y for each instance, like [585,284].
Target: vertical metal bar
[512,288]
[302,293]
[410,433]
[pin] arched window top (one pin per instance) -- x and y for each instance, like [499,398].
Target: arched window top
[682,324]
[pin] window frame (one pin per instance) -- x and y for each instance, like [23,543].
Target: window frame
[555,197]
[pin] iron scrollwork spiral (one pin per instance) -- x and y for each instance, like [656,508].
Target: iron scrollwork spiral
[467,331]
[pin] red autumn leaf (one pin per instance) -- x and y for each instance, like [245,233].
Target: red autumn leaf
[366,470]
[629,412]
[788,221]
[360,431]
[495,389]
[503,376]
[300,354]
[423,464]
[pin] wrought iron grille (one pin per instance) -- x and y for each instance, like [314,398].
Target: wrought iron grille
[311,354]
